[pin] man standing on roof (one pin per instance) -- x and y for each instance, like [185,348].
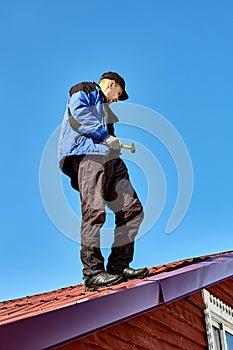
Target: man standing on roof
[89,153]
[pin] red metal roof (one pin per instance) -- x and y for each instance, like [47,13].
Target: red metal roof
[122,301]
[16,309]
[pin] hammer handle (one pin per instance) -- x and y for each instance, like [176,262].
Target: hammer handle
[126,146]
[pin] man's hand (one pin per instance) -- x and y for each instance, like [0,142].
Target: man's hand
[112,142]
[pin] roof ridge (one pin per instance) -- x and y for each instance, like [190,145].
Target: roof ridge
[26,307]
[48,296]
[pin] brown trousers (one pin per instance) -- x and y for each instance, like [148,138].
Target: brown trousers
[103,181]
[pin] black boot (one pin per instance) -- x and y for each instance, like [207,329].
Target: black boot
[103,279]
[127,272]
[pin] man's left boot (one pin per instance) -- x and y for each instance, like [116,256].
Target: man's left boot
[127,272]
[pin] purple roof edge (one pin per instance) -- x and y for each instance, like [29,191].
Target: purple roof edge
[78,319]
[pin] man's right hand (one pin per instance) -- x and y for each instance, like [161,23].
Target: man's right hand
[112,142]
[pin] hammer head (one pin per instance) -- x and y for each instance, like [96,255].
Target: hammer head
[133,148]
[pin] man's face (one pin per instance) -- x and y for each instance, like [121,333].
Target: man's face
[113,91]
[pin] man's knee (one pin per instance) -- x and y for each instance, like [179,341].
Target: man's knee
[133,215]
[137,209]
[138,213]
[94,217]
[141,214]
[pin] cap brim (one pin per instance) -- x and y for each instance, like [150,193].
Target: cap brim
[124,96]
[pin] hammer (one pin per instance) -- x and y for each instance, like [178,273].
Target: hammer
[132,147]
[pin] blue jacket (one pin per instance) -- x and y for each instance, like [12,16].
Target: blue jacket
[88,120]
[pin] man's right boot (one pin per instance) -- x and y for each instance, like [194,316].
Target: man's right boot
[127,272]
[103,279]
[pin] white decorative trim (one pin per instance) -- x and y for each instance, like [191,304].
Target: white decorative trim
[216,311]
[208,321]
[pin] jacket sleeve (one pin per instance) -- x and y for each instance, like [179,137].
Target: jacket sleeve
[83,120]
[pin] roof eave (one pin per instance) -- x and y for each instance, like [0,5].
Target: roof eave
[78,319]
[85,316]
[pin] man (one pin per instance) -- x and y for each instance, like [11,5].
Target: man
[89,153]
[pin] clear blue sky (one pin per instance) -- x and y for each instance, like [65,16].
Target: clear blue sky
[176,57]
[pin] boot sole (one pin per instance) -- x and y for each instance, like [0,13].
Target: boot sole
[95,287]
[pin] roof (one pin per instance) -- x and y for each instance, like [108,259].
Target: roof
[70,312]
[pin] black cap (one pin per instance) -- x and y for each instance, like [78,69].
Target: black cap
[119,80]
